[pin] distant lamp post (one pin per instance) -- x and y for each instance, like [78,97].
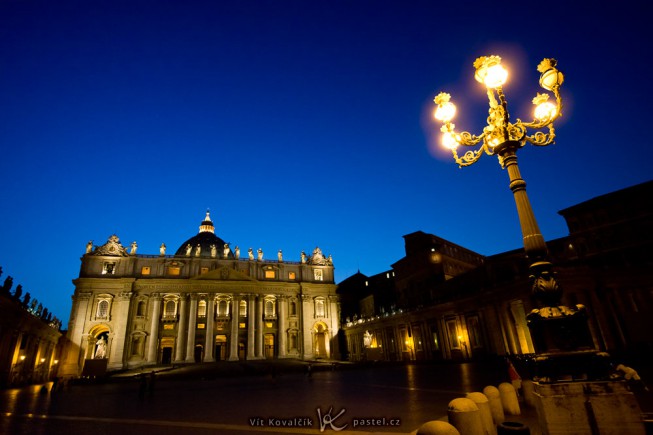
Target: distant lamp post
[555,328]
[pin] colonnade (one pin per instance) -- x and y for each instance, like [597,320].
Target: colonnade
[187,317]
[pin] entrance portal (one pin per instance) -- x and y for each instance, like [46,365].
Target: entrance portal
[320,337]
[166,355]
[268,341]
[167,344]
[220,347]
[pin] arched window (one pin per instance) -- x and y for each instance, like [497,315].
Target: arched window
[269,308]
[223,308]
[103,309]
[170,309]
[319,308]
[243,309]
[293,308]
[201,308]
[293,340]
[140,309]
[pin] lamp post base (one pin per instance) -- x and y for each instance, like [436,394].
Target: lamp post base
[592,407]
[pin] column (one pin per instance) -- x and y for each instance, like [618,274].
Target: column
[283,302]
[209,343]
[120,310]
[259,327]
[181,328]
[233,341]
[251,325]
[154,328]
[75,349]
[308,314]
[192,320]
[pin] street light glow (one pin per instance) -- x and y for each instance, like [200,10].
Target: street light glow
[445,111]
[499,131]
[449,140]
[545,111]
[495,76]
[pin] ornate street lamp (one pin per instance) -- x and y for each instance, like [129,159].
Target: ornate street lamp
[503,138]
[555,329]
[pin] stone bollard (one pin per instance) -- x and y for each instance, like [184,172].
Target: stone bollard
[486,415]
[494,399]
[465,416]
[436,427]
[528,392]
[509,399]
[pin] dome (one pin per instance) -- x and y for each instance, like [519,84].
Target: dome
[210,245]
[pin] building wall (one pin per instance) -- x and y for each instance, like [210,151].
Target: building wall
[605,264]
[132,310]
[29,351]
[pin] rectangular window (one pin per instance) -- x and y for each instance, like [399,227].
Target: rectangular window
[109,268]
[201,326]
[203,270]
[174,270]
[242,325]
[270,274]
[145,270]
[169,326]
[292,276]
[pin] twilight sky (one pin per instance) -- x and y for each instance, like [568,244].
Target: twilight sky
[298,124]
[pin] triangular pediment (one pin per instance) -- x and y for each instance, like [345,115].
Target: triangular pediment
[224,274]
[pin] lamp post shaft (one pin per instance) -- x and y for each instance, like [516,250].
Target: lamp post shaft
[534,243]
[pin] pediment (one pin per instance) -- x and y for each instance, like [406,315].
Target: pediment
[224,274]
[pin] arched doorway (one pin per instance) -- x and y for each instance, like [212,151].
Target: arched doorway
[268,342]
[199,353]
[320,340]
[241,349]
[220,347]
[167,344]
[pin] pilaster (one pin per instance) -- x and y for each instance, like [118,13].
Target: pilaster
[120,316]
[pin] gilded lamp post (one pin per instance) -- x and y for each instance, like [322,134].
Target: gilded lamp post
[555,329]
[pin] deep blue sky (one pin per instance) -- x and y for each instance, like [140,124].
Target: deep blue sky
[298,123]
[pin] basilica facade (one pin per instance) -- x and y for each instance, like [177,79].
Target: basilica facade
[204,303]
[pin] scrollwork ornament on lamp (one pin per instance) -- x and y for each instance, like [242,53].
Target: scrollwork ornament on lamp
[499,129]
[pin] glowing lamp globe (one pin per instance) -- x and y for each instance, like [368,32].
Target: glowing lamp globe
[490,72]
[496,76]
[449,141]
[445,111]
[545,111]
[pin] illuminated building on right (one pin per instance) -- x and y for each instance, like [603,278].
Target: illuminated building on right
[442,301]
